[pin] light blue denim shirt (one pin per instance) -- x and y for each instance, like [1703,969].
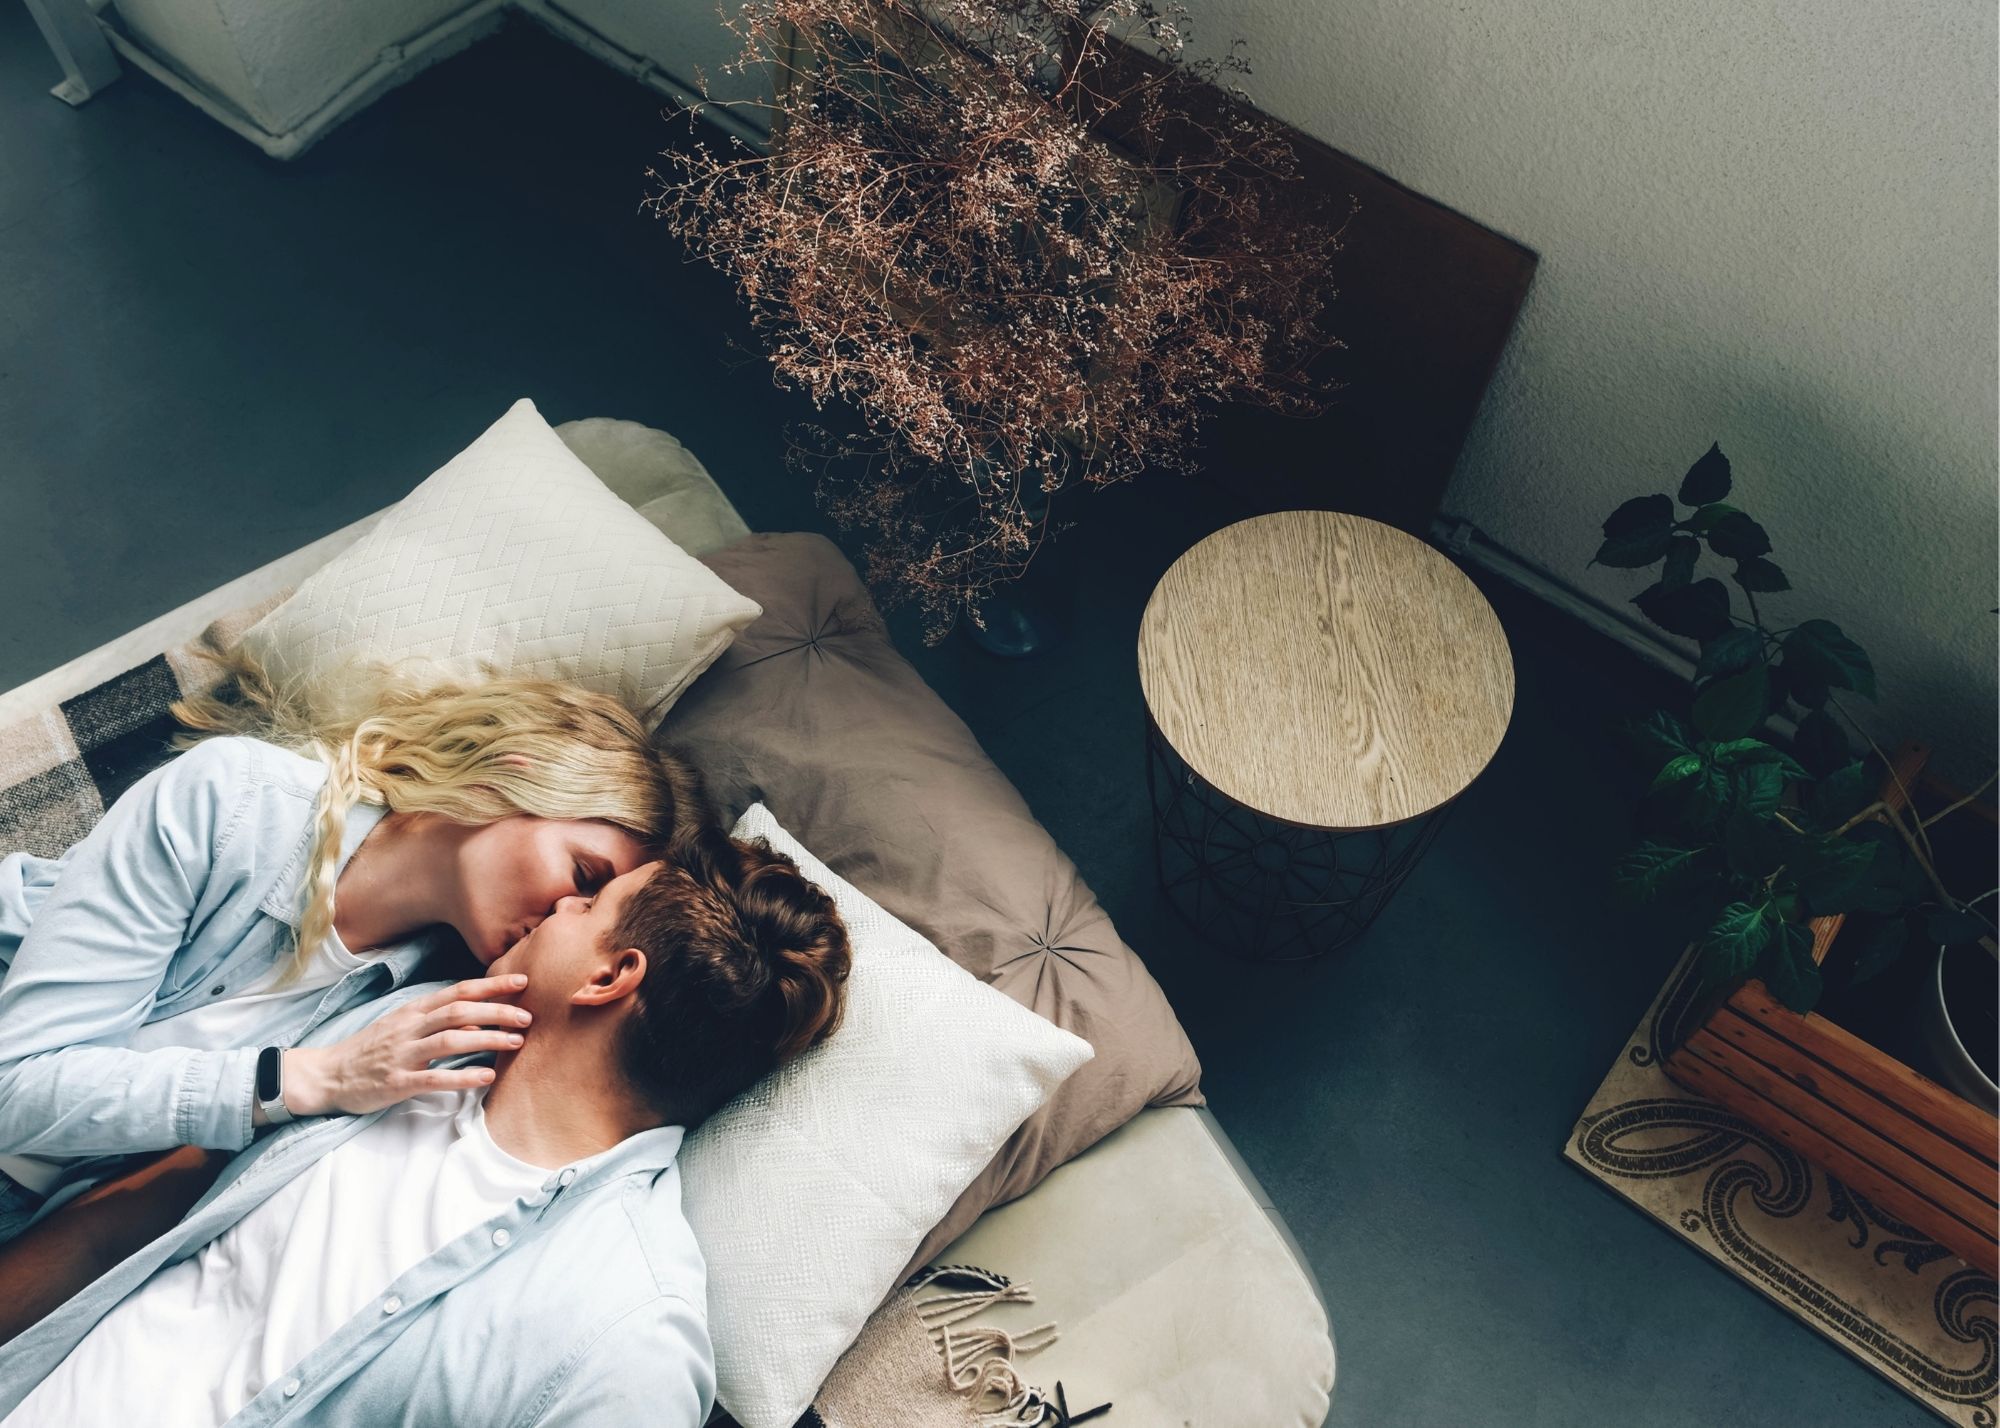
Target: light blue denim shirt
[584,1303]
[188,887]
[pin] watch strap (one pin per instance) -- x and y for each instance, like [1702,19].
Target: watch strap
[270,1085]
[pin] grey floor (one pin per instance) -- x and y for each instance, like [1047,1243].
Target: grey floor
[208,359]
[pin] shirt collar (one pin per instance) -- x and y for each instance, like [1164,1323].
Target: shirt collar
[646,1153]
[285,899]
[649,1150]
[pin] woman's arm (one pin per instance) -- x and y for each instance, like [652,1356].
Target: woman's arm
[90,967]
[44,1266]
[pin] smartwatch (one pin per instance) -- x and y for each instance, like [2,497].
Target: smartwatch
[271,1085]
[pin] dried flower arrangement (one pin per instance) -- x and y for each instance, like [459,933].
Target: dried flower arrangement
[942,236]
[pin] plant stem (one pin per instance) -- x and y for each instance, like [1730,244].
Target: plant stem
[1961,803]
[1908,797]
[1883,810]
[1923,862]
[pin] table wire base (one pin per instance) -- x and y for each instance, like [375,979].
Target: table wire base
[1261,889]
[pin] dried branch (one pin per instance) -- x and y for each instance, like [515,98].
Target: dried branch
[1010,305]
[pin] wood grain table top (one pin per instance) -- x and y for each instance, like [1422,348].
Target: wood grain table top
[1326,669]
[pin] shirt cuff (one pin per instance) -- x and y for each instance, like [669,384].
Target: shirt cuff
[218,1093]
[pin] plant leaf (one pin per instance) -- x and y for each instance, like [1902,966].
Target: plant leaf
[1842,794]
[1756,788]
[1708,801]
[1641,515]
[1750,844]
[1708,515]
[1876,943]
[1660,733]
[1630,552]
[1736,648]
[1756,751]
[1682,552]
[1760,575]
[1832,874]
[1885,894]
[1680,767]
[1789,970]
[1652,868]
[1735,940]
[1820,743]
[1802,685]
[1737,537]
[1700,611]
[1730,707]
[1818,650]
[1707,480]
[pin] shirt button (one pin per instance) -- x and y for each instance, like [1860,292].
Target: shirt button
[292,1388]
[501,1239]
[391,1304]
[217,990]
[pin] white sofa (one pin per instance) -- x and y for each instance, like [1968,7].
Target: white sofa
[1180,1295]
[284,75]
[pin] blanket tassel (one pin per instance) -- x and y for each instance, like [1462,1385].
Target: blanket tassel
[979,1361]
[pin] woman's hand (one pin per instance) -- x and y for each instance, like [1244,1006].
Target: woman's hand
[390,1060]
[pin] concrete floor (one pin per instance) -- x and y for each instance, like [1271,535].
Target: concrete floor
[208,359]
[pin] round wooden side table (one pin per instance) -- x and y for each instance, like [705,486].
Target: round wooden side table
[1319,688]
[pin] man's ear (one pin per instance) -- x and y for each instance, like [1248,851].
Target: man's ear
[616,978]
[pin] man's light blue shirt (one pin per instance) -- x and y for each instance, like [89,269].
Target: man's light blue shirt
[581,1304]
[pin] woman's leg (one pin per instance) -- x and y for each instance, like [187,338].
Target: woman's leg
[45,1265]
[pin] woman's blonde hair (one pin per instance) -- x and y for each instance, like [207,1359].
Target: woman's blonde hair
[415,737]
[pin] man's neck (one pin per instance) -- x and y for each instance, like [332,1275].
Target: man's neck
[558,1107]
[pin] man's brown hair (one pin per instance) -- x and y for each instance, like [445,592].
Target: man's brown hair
[747,967]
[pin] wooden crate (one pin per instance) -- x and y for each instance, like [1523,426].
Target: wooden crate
[1920,1152]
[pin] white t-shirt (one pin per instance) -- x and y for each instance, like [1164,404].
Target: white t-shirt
[232,1021]
[200,1339]
[218,1025]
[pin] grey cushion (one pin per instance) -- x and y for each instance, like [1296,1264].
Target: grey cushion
[814,712]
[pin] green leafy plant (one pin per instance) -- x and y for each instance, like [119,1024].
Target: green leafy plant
[1754,837]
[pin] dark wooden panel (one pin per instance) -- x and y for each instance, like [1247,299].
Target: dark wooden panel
[1427,298]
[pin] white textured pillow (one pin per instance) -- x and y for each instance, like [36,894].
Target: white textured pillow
[513,553]
[809,1192]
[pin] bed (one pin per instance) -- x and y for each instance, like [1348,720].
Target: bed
[1179,1293]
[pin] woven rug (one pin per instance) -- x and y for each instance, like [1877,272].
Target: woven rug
[1897,1301]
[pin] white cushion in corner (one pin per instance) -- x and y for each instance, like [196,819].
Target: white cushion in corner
[810,1191]
[513,553]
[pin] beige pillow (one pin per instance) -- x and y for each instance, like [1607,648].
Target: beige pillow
[514,556]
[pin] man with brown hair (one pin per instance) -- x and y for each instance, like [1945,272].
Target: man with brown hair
[515,1254]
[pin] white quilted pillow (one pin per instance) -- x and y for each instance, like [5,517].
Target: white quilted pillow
[810,1191]
[514,553]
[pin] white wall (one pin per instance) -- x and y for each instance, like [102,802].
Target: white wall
[1762,223]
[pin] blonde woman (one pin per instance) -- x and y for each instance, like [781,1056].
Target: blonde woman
[289,865]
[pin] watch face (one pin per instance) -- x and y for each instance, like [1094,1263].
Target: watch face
[270,1062]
